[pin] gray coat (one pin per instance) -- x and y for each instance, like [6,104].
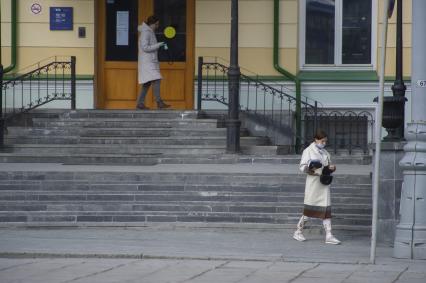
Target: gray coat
[148,65]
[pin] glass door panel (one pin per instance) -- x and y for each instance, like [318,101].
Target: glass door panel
[121,30]
[172,30]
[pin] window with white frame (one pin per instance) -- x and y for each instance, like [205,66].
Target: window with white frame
[336,33]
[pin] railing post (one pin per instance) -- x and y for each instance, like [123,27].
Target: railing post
[316,115]
[233,123]
[73,89]
[200,83]
[1,108]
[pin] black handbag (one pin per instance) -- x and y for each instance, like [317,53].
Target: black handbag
[326,177]
[314,164]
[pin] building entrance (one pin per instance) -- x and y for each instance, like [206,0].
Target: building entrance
[117,52]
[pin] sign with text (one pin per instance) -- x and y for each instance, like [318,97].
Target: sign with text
[61,18]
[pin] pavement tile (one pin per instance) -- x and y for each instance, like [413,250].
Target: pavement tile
[173,254]
[411,280]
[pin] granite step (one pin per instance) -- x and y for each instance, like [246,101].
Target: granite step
[204,196]
[124,123]
[182,140]
[145,207]
[120,132]
[71,149]
[164,114]
[349,221]
[231,178]
[129,187]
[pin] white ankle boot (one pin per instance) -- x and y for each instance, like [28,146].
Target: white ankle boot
[298,234]
[329,238]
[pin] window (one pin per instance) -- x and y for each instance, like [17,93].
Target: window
[337,34]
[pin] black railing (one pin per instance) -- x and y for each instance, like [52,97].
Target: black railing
[274,104]
[269,104]
[347,130]
[23,92]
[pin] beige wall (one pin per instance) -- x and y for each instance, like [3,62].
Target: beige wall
[391,40]
[35,40]
[255,33]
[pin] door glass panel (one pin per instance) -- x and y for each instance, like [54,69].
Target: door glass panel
[121,30]
[356,32]
[172,13]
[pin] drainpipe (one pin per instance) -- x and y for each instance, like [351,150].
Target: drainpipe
[287,74]
[14,32]
[0,35]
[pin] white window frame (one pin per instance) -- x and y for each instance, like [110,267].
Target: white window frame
[338,41]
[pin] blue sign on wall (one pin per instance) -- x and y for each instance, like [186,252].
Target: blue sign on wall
[61,18]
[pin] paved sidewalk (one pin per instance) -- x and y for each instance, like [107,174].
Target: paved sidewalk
[168,253]
[174,241]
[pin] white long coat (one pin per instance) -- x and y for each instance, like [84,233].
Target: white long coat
[148,65]
[316,194]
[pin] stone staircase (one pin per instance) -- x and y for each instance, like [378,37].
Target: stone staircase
[92,190]
[124,137]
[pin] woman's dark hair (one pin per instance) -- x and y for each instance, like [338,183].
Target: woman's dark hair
[152,20]
[320,134]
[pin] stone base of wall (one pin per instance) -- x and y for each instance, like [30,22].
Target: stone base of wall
[389,191]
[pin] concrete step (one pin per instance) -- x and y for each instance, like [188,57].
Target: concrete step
[149,155]
[182,140]
[159,187]
[124,123]
[62,158]
[353,222]
[174,150]
[233,178]
[201,196]
[357,213]
[151,158]
[114,132]
[167,114]
[71,149]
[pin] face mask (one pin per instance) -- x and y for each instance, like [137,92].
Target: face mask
[320,145]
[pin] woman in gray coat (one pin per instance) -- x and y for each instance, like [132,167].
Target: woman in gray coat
[148,65]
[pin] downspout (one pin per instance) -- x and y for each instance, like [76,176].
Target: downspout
[13,41]
[0,34]
[287,74]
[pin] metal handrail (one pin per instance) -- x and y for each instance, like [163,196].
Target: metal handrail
[280,112]
[21,93]
[353,127]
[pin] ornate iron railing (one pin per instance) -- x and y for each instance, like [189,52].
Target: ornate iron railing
[21,93]
[271,104]
[274,104]
[347,130]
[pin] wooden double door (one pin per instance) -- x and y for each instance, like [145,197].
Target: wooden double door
[116,78]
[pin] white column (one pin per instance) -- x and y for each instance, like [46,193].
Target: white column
[410,238]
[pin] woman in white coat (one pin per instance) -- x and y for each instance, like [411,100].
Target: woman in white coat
[317,202]
[148,65]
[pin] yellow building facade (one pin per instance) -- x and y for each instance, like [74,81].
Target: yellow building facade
[211,37]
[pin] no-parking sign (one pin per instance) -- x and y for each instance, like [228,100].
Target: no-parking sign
[35,8]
